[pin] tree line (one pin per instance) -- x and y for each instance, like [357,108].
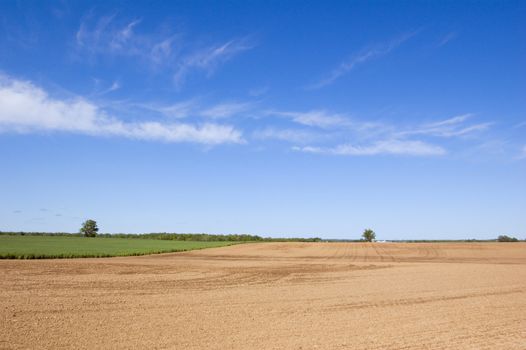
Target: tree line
[196,237]
[90,229]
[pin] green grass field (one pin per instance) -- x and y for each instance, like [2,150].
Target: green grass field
[49,247]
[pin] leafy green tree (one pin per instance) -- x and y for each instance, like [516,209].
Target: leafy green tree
[504,238]
[89,228]
[368,235]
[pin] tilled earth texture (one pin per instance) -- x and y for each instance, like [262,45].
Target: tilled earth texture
[272,296]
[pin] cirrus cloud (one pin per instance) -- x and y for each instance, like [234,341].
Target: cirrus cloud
[166,52]
[392,147]
[365,55]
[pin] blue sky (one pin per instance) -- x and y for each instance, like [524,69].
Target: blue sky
[273,118]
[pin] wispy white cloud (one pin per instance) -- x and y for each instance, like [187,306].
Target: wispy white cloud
[374,138]
[522,154]
[163,50]
[316,118]
[446,38]
[334,125]
[388,147]
[259,91]
[112,36]
[178,110]
[109,35]
[452,127]
[452,121]
[365,55]
[194,108]
[113,87]
[95,36]
[225,110]
[122,37]
[297,136]
[209,58]
[26,108]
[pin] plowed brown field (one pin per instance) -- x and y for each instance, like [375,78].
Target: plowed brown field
[273,296]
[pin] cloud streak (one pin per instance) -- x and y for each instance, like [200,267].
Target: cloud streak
[26,108]
[193,108]
[385,147]
[113,87]
[446,39]
[365,55]
[111,36]
[315,118]
[289,135]
[452,127]
[209,58]
[372,138]
[225,110]
[106,36]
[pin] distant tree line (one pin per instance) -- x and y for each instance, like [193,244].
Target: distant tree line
[196,237]
[23,233]
[205,237]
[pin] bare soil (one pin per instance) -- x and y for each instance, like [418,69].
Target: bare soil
[272,296]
